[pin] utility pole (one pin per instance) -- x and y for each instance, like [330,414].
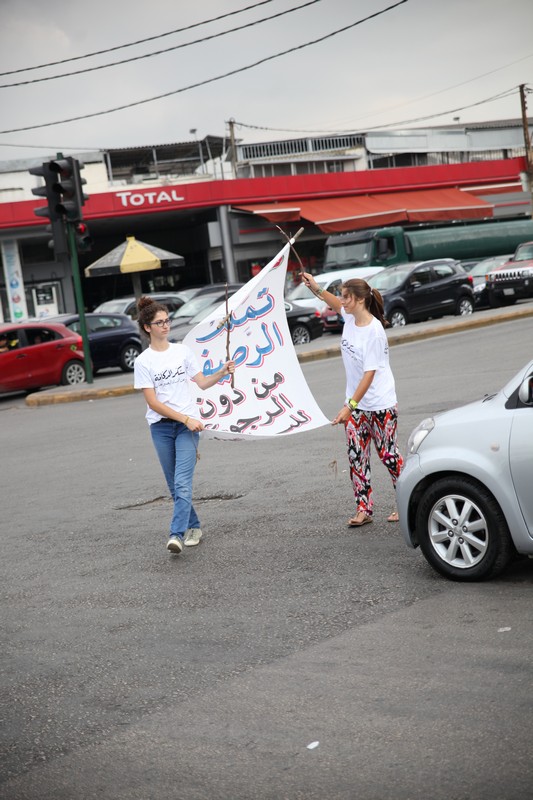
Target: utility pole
[527,143]
[233,147]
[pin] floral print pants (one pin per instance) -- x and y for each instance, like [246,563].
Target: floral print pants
[362,428]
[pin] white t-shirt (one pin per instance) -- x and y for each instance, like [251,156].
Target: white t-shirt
[366,348]
[168,372]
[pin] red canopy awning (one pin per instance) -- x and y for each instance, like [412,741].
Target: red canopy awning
[337,214]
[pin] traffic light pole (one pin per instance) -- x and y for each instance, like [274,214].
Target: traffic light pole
[79,299]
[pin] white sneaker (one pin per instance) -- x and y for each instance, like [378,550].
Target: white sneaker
[175,545]
[192,537]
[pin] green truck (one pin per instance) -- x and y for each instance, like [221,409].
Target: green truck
[464,241]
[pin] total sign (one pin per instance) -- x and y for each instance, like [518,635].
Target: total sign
[152,198]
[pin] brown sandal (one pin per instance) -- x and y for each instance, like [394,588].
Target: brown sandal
[359,519]
[393,517]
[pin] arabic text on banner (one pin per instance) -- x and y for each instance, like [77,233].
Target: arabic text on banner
[270,395]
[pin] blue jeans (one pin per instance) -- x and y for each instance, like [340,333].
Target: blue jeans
[176,448]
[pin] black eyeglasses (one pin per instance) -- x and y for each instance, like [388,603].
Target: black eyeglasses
[160,322]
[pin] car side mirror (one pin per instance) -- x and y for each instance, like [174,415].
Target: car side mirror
[525,392]
[414,285]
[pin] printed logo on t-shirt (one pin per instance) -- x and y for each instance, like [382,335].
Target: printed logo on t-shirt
[169,376]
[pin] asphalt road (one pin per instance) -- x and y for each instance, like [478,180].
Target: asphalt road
[129,673]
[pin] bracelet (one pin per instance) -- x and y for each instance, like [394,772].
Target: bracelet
[351,403]
[319,290]
[185,421]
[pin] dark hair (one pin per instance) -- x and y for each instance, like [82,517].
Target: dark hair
[147,308]
[359,288]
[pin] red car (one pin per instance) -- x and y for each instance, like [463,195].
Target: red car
[37,354]
[331,321]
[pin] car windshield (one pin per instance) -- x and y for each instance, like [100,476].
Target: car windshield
[345,253]
[113,306]
[193,307]
[301,292]
[482,267]
[390,278]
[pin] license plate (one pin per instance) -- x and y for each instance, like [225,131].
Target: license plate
[508,291]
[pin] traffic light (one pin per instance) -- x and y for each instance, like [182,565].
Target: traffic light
[59,241]
[68,188]
[83,237]
[48,191]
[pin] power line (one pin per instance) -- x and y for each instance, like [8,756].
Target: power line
[506,93]
[160,52]
[207,80]
[139,41]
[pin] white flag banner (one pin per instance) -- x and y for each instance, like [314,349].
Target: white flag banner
[270,395]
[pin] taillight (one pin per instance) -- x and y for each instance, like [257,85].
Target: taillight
[318,314]
[470,280]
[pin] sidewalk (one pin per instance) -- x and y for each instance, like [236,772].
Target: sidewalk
[118,384]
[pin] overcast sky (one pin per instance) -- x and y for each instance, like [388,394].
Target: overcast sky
[420,58]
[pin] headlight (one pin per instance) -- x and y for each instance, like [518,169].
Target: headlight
[419,434]
[479,288]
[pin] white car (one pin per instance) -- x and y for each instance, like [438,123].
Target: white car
[331,281]
[465,495]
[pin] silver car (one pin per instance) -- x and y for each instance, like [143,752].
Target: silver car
[465,495]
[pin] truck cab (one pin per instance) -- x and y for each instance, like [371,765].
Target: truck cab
[382,247]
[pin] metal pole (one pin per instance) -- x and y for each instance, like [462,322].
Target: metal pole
[233,146]
[227,246]
[78,292]
[527,143]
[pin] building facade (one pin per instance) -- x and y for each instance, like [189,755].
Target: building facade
[226,210]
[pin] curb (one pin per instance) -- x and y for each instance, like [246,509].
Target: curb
[75,395]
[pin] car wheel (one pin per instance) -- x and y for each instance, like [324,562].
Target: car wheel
[300,335]
[464,307]
[127,357]
[397,318]
[462,531]
[73,372]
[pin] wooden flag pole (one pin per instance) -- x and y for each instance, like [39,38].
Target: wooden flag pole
[228,316]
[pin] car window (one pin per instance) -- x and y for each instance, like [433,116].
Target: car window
[11,341]
[389,278]
[103,323]
[443,271]
[195,305]
[423,275]
[40,335]
[335,288]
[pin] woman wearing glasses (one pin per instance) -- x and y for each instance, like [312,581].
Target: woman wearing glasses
[164,371]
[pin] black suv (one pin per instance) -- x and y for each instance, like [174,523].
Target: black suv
[423,289]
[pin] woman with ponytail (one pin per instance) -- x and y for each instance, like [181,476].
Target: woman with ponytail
[164,372]
[370,412]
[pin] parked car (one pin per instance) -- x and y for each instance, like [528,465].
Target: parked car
[331,282]
[331,321]
[464,495]
[423,289]
[39,354]
[195,291]
[513,280]
[114,339]
[128,305]
[196,310]
[478,272]
[304,323]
